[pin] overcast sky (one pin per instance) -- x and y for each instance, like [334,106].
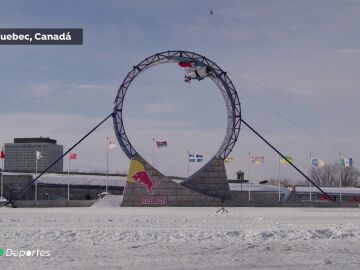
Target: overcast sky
[295,65]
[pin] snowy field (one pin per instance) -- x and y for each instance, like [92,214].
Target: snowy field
[105,237]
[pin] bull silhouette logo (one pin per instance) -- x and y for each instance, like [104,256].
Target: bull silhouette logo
[138,174]
[143,179]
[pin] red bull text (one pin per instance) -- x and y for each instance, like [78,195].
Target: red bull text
[154,200]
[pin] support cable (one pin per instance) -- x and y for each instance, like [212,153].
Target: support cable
[313,135]
[67,88]
[314,107]
[284,157]
[14,198]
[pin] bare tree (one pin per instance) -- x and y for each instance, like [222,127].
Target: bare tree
[350,176]
[329,175]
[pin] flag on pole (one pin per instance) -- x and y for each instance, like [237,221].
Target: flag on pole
[195,158]
[192,158]
[199,158]
[346,162]
[228,159]
[2,154]
[257,160]
[315,162]
[72,156]
[38,155]
[285,161]
[111,143]
[161,144]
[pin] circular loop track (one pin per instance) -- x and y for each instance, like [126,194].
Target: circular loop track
[214,72]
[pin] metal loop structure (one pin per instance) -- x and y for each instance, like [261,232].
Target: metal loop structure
[215,73]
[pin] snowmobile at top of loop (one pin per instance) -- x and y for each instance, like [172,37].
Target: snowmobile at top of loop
[194,70]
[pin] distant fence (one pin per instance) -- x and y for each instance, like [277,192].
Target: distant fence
[55,203]
[294,204]
[14,183]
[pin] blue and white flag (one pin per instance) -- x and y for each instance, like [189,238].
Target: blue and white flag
[192,158]
[315,162]
[195,158]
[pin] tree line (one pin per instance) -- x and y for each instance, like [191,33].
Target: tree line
[328,175]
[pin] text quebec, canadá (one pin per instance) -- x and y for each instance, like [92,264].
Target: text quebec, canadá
[37,36]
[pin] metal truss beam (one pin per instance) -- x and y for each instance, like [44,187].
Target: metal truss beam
[217,75]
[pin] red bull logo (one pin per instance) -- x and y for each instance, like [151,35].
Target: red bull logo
[138,174]
[143,179]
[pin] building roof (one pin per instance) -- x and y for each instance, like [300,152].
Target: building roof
[329,190]
[258,188]
[76,179]
[34,140]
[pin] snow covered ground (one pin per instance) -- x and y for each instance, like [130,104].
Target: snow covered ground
[108,237]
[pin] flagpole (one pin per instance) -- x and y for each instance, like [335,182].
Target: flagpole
[36,170]
[188,162]
[340,195]
[249,178]
[68,186]
[310,176]
[2,175]
[153,156]
[279,180]
[107,164]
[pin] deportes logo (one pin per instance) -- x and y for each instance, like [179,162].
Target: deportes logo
[19,253]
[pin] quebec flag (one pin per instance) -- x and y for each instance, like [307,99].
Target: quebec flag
[195,158]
